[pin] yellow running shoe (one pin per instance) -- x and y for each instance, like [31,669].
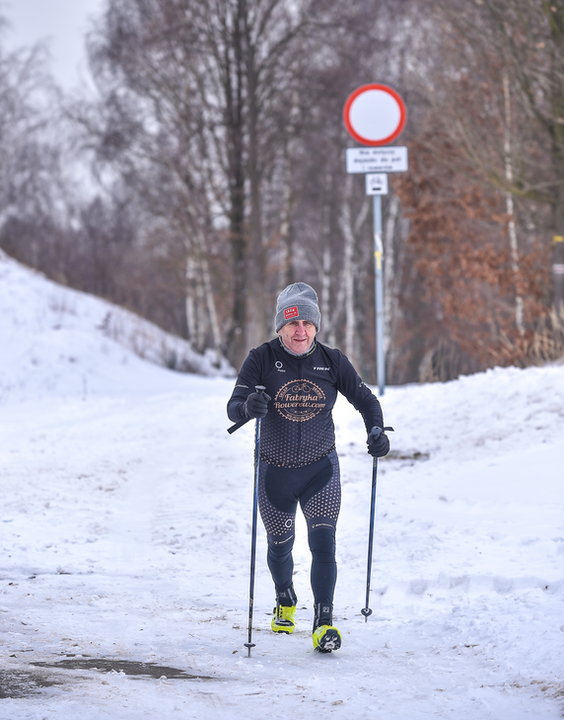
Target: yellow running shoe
[326,638]
[325,635]
[284,619]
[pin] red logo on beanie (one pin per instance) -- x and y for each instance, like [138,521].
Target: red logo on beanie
[291,312]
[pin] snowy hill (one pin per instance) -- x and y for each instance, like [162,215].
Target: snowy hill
[64,341]
[125,540]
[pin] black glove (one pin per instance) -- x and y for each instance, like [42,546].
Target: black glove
[256,404]
[378,442]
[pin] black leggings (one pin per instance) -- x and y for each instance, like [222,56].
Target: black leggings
[317,488]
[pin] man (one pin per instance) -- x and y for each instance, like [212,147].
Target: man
[298,461]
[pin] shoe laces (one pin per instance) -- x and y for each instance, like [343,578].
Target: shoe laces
[284,612]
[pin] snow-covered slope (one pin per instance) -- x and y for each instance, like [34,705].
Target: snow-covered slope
[58,340]
[124,541]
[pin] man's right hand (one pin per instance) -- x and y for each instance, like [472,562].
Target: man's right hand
[256,404]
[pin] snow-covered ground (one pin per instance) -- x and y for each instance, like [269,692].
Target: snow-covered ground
[125,539]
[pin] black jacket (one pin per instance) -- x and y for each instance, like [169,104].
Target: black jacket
[298,428]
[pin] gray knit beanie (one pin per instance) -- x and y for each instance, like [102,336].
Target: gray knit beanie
[298,301]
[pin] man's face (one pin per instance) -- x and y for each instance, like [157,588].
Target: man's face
[298,335]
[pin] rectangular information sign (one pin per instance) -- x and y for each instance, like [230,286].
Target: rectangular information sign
[376,159]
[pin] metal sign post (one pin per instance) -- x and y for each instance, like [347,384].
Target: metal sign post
[375,115]
[379,293]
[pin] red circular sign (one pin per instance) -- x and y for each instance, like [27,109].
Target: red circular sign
[374,114]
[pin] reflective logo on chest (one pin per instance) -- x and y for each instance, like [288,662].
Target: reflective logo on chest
[299,400]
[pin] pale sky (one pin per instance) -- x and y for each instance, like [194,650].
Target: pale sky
[61,23]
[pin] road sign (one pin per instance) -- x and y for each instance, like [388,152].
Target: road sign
[374,114]
[376,160]
[376,184]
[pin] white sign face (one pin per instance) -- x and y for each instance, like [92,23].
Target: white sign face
[376,159]
[374,114]
[376,184]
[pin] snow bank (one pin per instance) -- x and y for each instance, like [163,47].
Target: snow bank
[61,341]
[124,542]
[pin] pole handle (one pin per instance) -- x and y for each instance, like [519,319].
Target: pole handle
[237,425]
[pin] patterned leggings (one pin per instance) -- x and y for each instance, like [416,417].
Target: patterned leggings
[317,488]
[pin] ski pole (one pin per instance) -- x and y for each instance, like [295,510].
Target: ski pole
[366,611]
[237,425]
[250,644]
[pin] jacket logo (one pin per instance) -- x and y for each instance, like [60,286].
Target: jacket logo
[319,367]
[291,312]
[279,366]
[300,400]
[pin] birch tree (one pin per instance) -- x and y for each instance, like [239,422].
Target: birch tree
[193,97]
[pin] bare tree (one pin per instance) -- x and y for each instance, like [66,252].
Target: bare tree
[32,180]
[513,53]
[223,121]
[190,114]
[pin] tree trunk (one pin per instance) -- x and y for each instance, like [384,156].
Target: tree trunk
[347,284]
[208,300]
[236,337]
[509,204]
[189,302]
[286,228]
[237,344]
[350,228]
[256,267]
[390,281]
[555,16]
[325,295]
